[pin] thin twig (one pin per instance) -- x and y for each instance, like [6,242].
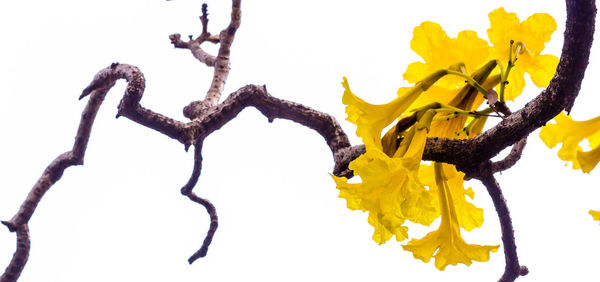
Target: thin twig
[513,157]
[214,223]
[194,44]
[186,190]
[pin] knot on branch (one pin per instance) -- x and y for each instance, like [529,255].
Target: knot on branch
[196,109]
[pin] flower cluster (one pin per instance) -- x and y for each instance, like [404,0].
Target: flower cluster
[395,185]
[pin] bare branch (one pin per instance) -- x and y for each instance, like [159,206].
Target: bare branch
[272,108]
[214,223]
[51,175]
[513,157]
[222,63]
[19,259]
[194,47]
[210,208]
[194,44]
[130,103]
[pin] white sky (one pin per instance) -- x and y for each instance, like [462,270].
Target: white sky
[120,217]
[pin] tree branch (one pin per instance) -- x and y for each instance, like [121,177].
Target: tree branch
[195,109]
[19,259]
[51,175]
[130,103]
[512,269]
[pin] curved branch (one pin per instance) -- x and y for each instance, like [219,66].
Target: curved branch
[130,103]
[560,95]
[214,224]
[512,269]
[272,108]
[513,157]
[186,190]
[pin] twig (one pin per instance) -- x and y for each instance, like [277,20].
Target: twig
[194,44]
[214,223]
[186,190]
[513,157]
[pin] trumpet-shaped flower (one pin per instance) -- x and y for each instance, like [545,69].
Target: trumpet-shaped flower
[571,133]
[371,119]
[469,216]
[390,189]
[439,51]
[533,32]
[447,241]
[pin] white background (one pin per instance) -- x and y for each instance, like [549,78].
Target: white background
[120,217]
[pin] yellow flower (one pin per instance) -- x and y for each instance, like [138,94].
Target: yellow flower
[390,189]
[571,133]
[595,215]
[534,32]
[440,52]
[371,119]
[447,241]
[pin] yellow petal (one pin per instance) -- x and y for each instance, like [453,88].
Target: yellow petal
[381,234]
[451,248]
[371,119]
[534,32]
[501,23]
[538,28]
[595,215]
[588,160]
[440,51]
[542,69]
[571,133]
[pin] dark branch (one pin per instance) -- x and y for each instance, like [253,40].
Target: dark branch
[19,259]
[130,103]
[214,223]
[186,190]
[512,269]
